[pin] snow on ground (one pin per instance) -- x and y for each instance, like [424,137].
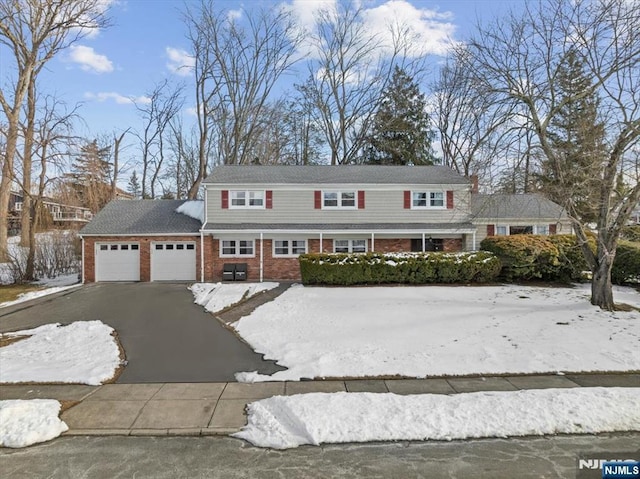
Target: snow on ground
[218,296]
[283,422]
[23,423]
[193,209]
[82,352]
[439,330]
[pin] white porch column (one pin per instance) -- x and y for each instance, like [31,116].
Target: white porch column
[321,243]
[423,243]
[373,241]
[475,247]
[261,257]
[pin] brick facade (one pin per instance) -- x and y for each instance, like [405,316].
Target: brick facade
[145,250]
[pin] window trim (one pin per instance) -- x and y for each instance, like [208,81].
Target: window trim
[428,194]
[350,245]
[236,253]
[534,228]
[339,206]
[247,206]
[289,254]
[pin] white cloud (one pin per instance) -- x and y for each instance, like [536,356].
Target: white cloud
[430,30]
[89,60]
[234,15]
[180,61]
[117,97]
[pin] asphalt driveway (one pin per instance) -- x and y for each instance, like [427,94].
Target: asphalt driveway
[166,337]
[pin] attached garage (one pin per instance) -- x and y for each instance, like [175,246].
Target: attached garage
[117,261]
[173,261]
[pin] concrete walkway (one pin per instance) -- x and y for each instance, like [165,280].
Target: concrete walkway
[202,409]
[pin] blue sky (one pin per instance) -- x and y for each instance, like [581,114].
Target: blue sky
[126,60]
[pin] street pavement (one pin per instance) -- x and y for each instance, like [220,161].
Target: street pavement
[226,458]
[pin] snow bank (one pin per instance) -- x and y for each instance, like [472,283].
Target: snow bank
[23,423]
[218,296]
[82,352]
[439,331]
[283,422]
[193,209]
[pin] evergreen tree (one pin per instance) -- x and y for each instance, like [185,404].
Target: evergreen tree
[90,177]
[133,186]
[401,133]
[578,137]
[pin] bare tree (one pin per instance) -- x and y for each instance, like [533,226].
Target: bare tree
[34,31]
[519,59]
[163,104]
[236,68]
[117,142]
[348,69]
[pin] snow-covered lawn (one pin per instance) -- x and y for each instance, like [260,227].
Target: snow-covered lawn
[440,330]
[289,421]
[23,423]
[218,296]
[82,352]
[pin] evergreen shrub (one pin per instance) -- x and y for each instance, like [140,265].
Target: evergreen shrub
[405,268]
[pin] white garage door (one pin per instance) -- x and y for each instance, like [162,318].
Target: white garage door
[117,262]
[173,261]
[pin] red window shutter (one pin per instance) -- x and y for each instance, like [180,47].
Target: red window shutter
[407,200]
[360,200]
[553,228]
[491,230]
[449,200]
[317,199]
[269,199]
[225,199]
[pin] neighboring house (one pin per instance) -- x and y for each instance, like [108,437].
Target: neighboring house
[59,213]
[265,216]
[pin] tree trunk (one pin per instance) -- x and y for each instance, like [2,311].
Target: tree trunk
[601,288]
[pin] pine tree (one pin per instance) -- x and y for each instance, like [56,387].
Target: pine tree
[133,186]
[401,133]
[578,136]
[90,176]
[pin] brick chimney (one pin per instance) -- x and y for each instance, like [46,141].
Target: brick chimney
[474,183]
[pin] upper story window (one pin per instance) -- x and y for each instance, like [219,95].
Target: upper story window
[246,199]
[427,199]
[339,199]
[18,206]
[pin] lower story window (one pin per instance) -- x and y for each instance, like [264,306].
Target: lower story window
[289,247]
[350,246]
[505,230]
[236,248]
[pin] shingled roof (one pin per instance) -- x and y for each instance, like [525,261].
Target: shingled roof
[509,206]
[343,174]
[133,217]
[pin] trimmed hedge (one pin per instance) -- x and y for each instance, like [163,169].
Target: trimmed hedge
[631,233]
[405,268]
[557,258]
[626,265]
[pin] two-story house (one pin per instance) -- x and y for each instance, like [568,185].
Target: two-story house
[265,216]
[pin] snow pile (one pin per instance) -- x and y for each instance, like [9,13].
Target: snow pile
[83,352]
[23,423]
[40,293]
[438,330]
[283,422]
[193,209]
[218,296]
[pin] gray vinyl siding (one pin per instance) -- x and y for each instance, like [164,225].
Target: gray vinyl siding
[381,206]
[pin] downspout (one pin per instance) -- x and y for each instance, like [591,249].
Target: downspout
[82,243]
[261,257]
[201,256]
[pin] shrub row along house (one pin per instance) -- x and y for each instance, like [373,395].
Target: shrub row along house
[263,217]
